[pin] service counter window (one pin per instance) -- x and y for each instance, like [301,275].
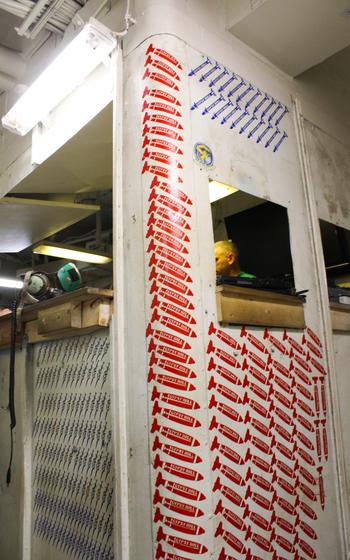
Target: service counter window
[255,282]
[336,252]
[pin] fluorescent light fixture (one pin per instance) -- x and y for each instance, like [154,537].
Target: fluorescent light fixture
[70,253]
[9,283]
[84,53]
[219,190]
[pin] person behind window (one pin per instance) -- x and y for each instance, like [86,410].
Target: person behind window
[226,260]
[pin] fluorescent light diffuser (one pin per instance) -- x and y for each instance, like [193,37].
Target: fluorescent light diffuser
[84,53]
[70,253]
[219,190]
[8,283]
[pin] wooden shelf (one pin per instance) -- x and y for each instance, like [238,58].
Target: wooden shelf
[72,313]
[340,316]
[246,306]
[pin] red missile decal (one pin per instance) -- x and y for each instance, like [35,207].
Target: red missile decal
[313,336]
[280,368]
[257,519]
[259,444]
[259,426]
[259,392]
[225,409]
[259,480]
[164,54]
[254,358]
[174,218]
[231,517]
[169,381]
[178,525]
[304,422]
[258,462]
[161,107]
[302,363]
[305,474]
[318,366]
[168,338]
[171,256]
[283,399]
[222,355]
[160,157]
[230,494]
[254,341]
[307,491]
[305,392]
[224,372]
[284,524]
[179,507]
[305,527]
[177,326]
[285,485]
[162,131]
[283,415]
[321,487]
[307,510]
[162,144]
[224,556]
[171,229]
[305,440]
[283,542]
[172,353]
[312,348]
[259,540]
[229,473]
[295,345]
[318,440]
[284,433]
[323,397]
[176,452]
[256,373]
[176,312]
[180,489]
[176,416]
[305,407]
[285,505]
[167,240]
[288,453]
[283,384]
[226,431]
[160,94]
[161,79]
[172,296]
[162,66]
[227,452]
[175,400]
[224,337]
[305,547]
[316,398]
[260,500]
[174,435]
[160,118]
[230,539]
[263,411]
[168,188]
[174,367]
[305,456]
[177,470]
[173,205]
[275,342]
[191,547]
[302,376]
[157,169]
[167,555]
[286,469]
[324,439]
[224,391]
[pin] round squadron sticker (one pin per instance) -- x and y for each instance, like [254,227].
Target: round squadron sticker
[203,154]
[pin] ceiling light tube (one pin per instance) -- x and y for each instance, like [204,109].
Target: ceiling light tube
[9,283]
[70,253]
[83,54]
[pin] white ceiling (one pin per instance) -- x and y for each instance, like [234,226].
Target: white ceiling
[294,35]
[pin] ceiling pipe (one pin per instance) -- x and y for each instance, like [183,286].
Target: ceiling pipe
[11,63]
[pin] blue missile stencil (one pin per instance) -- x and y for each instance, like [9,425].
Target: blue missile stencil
[258,112]
[72,457]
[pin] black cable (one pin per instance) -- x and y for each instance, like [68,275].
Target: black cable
[11,405]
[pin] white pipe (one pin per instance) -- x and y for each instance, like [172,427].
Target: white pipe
[33,14]
[11,63]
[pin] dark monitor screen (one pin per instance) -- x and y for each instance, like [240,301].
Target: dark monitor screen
[261,234]
[336,248]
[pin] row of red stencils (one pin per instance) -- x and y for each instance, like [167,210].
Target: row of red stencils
[262,428]
[171,331]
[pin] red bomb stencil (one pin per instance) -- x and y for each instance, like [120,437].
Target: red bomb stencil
[164,54]
[161,94]
[177,470]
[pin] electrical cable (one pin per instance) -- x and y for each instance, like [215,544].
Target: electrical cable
[11,405]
